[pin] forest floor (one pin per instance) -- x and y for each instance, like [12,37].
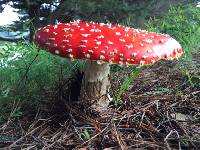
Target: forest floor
[160,110]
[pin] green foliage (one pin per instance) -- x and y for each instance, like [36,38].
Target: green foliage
[17,113]
[115,68]
[189,77]
[182,23]
[86,135]
[125,85]
[26,71]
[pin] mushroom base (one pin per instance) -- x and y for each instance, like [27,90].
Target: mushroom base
[96,85]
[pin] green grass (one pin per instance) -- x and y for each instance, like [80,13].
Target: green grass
[182,23]
[25,78]
[125,85]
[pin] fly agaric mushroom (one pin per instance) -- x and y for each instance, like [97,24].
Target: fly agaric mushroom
[103,44]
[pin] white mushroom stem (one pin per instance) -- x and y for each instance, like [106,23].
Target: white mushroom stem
[96,85]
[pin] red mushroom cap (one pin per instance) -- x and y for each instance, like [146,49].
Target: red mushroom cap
[109,43]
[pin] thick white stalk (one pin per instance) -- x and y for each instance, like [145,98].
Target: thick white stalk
[96,85]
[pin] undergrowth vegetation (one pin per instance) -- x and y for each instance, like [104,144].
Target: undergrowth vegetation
[182,23]
[26,71]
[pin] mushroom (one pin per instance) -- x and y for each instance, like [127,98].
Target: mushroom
[103,44]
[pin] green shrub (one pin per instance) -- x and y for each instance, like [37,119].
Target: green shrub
[182,23]
[25,71]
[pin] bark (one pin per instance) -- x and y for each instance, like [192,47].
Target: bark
[95,85]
